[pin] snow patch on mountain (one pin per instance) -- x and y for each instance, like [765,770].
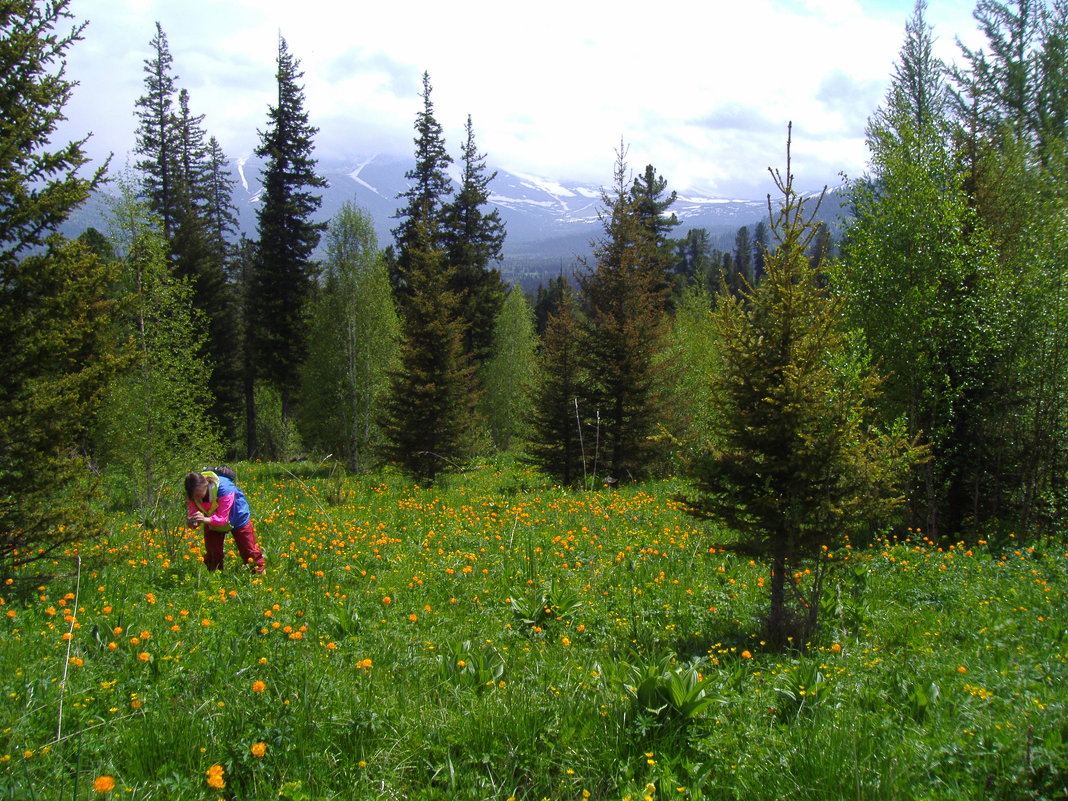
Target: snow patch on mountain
[355,176]
[240,164]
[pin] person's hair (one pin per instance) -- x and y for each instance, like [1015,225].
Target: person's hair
[194,485]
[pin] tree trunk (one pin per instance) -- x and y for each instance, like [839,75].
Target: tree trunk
[251,445]
[776,622]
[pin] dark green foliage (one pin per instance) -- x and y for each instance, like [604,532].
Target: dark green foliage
[1011,102]
[183,182]
[555,436]
[651,209]
[282,279]
[56,325]
[695,259]
[54,312]
[157,134]
[472,240]
[624,298]
[760,250]
[547,301]
[443,282]
[426,196]
[427,419]
[743,256]
[797,464]
[39,184]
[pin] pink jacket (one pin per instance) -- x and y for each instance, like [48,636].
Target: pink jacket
[220,519]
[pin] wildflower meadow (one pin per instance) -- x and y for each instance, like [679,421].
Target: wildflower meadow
[497,637]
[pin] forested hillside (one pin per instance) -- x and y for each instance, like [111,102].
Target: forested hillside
[409,331]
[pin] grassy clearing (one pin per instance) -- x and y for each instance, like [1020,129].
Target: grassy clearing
[496,637]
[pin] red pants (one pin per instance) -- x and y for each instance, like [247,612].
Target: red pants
[244,537]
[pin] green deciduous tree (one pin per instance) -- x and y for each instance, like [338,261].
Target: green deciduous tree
[507,376]
[797,463]
[692,419]
[922,283]
[1011,101]
[55,316]
[282,281]
[157,417]
[352,347]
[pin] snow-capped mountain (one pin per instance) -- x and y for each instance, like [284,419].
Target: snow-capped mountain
[550,223]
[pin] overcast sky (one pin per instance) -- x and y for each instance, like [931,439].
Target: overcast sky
[702,89]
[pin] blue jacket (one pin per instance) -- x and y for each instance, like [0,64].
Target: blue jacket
[240,514]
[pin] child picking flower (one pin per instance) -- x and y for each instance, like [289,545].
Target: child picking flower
[214,501]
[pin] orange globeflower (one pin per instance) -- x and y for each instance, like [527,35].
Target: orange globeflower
[103,784]
[746,655]
[258,686]
[143,656]
[258,749]
[215,777]
[387,600]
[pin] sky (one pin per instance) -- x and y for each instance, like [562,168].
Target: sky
[701,89]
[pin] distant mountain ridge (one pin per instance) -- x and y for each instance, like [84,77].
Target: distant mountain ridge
[550,223]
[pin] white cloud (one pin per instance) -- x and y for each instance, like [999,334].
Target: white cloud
[703,90]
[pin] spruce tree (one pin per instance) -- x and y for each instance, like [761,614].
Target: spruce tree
[547,301]
[694,259]
[199,252]
[421,223]
[219,198]
[157,134]
[743,256]
[651,208]
[623,346]
[473,239]
[428,417]
[555,438]
[797,464]
[760,250]
[282,280]
[55,316]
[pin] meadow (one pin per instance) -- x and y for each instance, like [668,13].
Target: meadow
[496,637]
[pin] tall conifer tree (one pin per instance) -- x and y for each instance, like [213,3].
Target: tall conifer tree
[55,318]
[421,221]
[284,272]
[473,239]
[428,416]
[796,465]
[555,440]
[624,299]
[157,134]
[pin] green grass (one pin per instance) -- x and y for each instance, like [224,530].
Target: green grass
[404,650]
